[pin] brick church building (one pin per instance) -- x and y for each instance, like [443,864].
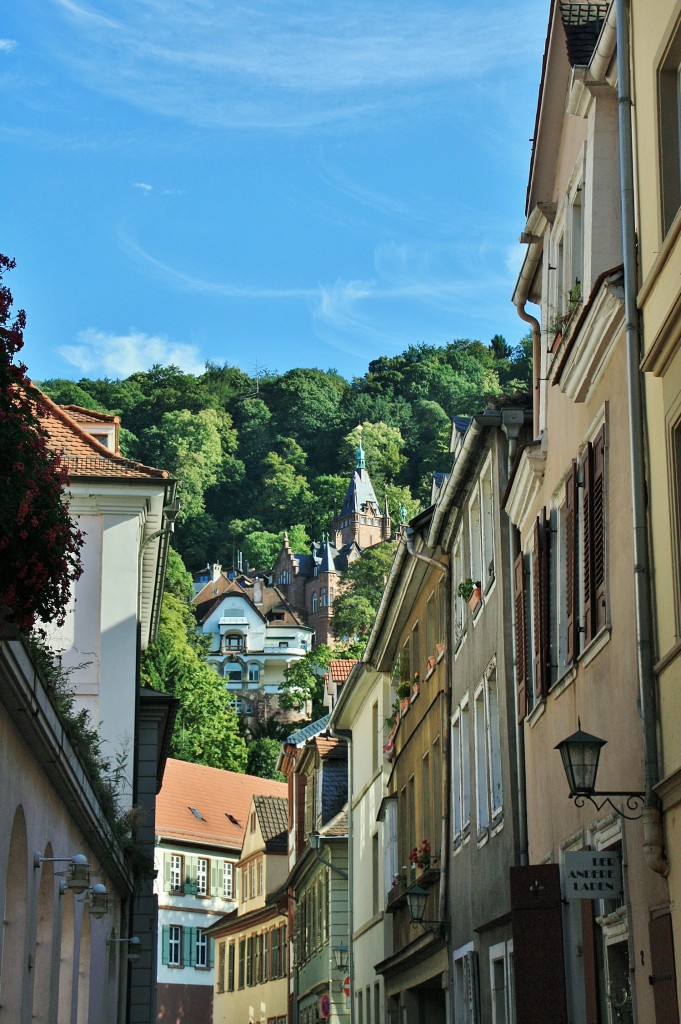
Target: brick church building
[310,580]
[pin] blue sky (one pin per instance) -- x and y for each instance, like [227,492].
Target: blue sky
[268,184]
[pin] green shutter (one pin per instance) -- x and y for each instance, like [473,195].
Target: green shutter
[218,869]
[211,954]
[191,868]
[188,946]
[165,944]
[166,871]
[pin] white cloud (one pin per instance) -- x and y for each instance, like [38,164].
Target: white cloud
[290,66]
[119,355]
[143,187]
[7,44]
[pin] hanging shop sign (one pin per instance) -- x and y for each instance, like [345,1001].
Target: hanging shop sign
[592,875]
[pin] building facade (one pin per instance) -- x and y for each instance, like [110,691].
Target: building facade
[251,979]
[201,821]
[255,635]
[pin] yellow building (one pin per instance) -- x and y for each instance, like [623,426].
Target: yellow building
[655,54]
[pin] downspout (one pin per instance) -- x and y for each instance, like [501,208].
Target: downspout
[346,734]
[527,273]
[523,840]
[653,844]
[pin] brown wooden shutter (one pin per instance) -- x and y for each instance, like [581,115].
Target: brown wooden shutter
[571,567]
[587,469]
[663,978]
[540,593]
[598,532]
[520,642]
[536,919]
[589,962]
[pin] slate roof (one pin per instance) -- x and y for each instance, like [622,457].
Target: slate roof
[83,455]
[223,799]
[360,492]
[297,739]
[272,814]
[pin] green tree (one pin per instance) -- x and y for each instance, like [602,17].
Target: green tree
[383,446]
[363,583]
[207,727]
[287,496]
[304,681]
[261,760]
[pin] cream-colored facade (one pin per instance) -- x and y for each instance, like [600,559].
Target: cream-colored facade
[581,639]
[251,951]
[656,52]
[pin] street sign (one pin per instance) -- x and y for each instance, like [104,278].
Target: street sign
[346,987]
[592,875]
[325,1006]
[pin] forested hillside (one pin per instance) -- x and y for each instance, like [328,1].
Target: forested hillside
[256,456]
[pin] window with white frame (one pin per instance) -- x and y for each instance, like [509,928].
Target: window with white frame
[391,866]
[475,537]
[501,983]
[176,873]
[244,884]
[259,878]
[488,777]
[487,524]
[254,673]
[202,876]
[461,798]
[233,673]
[228,880]
[466,979]
[458,577]
[315,602]
[669,96]
[252,879]
[174,945]
[201,949]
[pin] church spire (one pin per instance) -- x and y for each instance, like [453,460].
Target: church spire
[360,461]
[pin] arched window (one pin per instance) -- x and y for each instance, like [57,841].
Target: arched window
[315,602]
[233,673]
[14,924]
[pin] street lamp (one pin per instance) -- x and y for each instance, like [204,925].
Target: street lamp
[98,898]
[341,956]
[580,754]
[416,901]
[77,873]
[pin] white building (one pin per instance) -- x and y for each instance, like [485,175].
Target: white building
[255,635]
[201,820]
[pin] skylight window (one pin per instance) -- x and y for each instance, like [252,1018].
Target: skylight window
[197,814]
[232,819]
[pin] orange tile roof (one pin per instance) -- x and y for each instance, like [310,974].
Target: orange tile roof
[90,416]
[340,668]
[85,456]
[223,799]
[329,746]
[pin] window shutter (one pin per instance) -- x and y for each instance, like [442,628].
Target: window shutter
[188,945]
[587,467]
[520,655]
[599,552]
[218,866]
[471,975]
[590,962]
[663,977]
[165,944]
[191,870]
[571,571]
[541,591]
[166,871]
[536,911]
[211,952]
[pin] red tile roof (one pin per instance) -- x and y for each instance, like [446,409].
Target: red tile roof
[340,669]
[89,416]
[223,799]
[83,455]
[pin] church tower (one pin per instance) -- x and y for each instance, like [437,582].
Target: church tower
[361,520]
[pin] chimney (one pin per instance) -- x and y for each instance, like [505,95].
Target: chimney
[257,591]
[216,570]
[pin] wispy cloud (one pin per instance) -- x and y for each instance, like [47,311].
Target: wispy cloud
[7,44]
[119,355]
[143,186]
[288,66]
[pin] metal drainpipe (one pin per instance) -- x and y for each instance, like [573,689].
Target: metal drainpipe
[653,845]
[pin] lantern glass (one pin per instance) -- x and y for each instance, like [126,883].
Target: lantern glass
[416,900]
[580,753]
[78,874]
[340,955]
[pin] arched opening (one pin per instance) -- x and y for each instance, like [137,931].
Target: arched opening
[42,974]
[84,968]
[14,961]
[66,958]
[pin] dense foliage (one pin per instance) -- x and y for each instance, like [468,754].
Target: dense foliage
[39,544]
[206,728]
[255,457]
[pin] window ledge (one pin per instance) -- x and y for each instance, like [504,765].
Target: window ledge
[566,680]
[536,713]
[596,646]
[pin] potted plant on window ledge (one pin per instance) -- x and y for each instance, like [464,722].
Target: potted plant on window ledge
[404,694]
[471,591]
